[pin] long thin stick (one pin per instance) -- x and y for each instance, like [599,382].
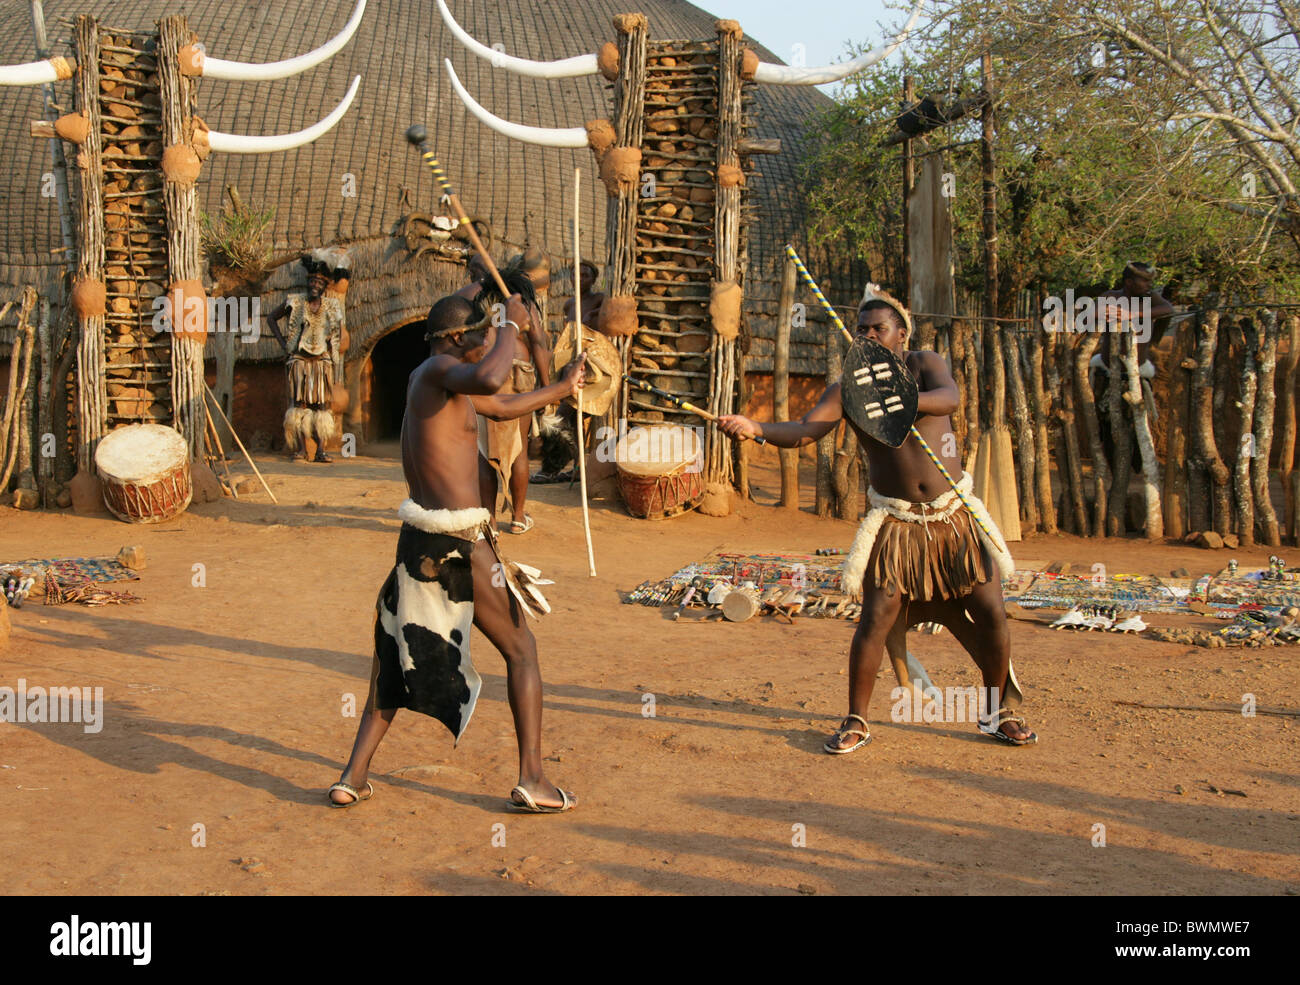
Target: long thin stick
[925,446]
[247,456]
[215,438]
[577,328]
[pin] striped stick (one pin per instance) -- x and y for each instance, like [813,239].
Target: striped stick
[685,405]
[419,137]
[925,445]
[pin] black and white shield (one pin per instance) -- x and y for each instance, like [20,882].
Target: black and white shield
[878,392]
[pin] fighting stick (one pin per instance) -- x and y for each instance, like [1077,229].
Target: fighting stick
[925,445]
[577,348]
[676,401]
[216,404]
[419,138]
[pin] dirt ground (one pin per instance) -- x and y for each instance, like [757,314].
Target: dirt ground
[224,708]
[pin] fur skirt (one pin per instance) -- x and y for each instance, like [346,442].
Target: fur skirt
[311,380]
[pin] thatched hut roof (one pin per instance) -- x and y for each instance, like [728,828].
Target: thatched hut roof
[398,51]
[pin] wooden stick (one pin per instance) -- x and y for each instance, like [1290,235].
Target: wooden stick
[577,348]
[216,440]
[247,456]
[418,136]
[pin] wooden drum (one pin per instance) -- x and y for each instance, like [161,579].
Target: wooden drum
[146,473]
[660,471]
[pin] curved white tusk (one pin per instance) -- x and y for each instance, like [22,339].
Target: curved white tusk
[219,68]
[568,68]
[230,143]
[546,137]
[30,74]
[785,75]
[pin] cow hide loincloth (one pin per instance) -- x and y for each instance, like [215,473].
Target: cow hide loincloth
[425,612]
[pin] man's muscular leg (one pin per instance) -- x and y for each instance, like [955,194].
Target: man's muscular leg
[370,730]
[499,617]
[880,610]
[519,473]
[987,639]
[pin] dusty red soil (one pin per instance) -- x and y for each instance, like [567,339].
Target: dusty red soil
[223,708]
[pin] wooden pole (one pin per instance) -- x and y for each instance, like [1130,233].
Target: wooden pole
[1121,440]
[247,456]
[1286,455]
[92,396]
[909,186]
[1092,427]
[44,424]
[781,385]
[577,349]
[1040,404]
[1155,524]
[1070,434]
[1223,361]
[621,215]
[184,263]
[1246,337]
[1205,449]
[1264,407]
[1178,467]
[728,236]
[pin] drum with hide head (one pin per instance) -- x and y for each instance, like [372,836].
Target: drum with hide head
[878,392]
[146,473]
[660,471]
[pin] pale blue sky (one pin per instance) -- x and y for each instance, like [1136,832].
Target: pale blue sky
[824,27]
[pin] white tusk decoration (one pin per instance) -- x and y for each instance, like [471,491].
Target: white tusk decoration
[219,68]
[785,75]
[33,73]
[568,68]
[546,137]
[230,143]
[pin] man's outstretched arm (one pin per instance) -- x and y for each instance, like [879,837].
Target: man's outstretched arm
[792,434]
[508,407]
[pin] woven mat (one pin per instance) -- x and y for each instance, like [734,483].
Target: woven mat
[69,571]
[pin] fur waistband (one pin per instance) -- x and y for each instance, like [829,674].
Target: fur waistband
[943,505]
[442,521]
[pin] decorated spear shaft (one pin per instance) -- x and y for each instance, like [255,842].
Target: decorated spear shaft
[676,401]
[419,138]
[925,445]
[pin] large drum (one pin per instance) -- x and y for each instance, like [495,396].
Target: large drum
[146,473]
[660,471]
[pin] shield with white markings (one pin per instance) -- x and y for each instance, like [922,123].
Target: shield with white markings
[878,392]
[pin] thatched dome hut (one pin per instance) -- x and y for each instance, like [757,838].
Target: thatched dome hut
[354,186]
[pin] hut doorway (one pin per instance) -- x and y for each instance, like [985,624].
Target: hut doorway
[389,367]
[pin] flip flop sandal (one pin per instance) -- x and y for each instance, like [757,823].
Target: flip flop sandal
[349,789]
[522,526]
[530,806]
[993,729]
[835,750]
